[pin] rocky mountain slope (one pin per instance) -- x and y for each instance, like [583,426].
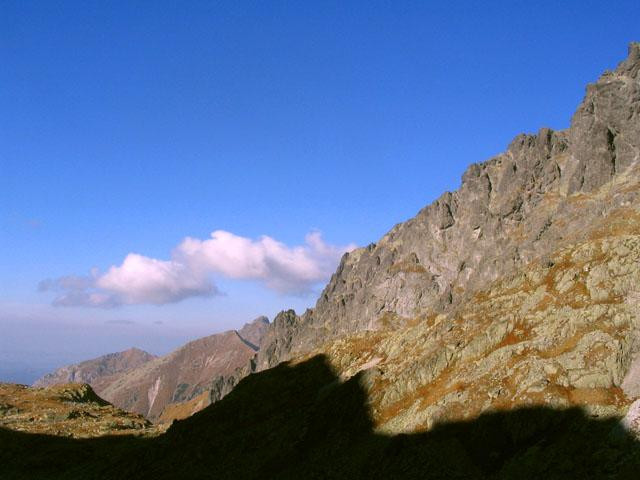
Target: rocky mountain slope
[68,410]
[546,192]
[98,371]
[184,374]
[192,376]
[560,333]
[179,376]
[542,193]
[255,331]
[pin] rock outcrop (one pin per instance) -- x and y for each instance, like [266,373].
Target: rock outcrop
[68,410]
[548,192]
[559,333]
[544,192]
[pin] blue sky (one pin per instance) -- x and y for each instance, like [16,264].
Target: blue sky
[126,127]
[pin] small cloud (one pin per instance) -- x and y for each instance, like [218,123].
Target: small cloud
[143,280]
[158,322]
[69,283]
[119,322]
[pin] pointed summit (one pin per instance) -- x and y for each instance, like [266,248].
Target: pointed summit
[254,331]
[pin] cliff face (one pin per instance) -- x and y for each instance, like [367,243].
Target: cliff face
[544,192]
[559,333]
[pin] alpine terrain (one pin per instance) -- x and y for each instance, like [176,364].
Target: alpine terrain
[494,335]
[139,382]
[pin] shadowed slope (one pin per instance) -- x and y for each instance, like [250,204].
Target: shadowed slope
[300,421]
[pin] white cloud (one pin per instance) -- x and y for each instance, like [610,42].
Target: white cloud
[140,279]
[146,280]
[282,268]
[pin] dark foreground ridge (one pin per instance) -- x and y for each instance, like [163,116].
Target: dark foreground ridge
[300,421]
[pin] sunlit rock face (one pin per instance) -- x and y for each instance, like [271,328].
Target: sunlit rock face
[518,289]
[545,192]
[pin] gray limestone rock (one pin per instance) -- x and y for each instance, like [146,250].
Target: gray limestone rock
[509,210]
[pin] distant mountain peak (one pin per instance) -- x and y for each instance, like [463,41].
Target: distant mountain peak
[254,331]
[94,370]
